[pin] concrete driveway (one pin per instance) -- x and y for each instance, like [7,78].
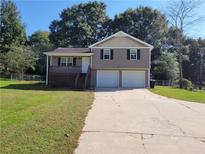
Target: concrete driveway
[140,122]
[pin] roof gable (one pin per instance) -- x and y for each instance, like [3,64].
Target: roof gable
[121,39]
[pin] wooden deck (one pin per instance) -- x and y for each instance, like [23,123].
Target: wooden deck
[68,77]
[63,76]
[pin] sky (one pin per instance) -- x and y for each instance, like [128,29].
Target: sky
[38,14]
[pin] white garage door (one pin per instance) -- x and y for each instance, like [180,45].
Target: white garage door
[107,79]
[133,79]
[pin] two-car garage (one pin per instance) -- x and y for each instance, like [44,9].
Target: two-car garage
[120,78]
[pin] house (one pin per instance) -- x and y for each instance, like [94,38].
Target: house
[118,61]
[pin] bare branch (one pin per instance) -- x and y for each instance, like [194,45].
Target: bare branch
[182,13]
[197,20]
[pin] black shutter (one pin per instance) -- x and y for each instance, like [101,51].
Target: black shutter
[74,61]
[111,54]
[128,54]
[138,54]
[101,54]
[59,61]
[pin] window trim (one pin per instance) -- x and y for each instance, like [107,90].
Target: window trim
[131,50]
[66,61]
[104,54]
[61,59]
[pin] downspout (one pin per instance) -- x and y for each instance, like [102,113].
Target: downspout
[149,78]
[91,63]
[149,68]
[91,59]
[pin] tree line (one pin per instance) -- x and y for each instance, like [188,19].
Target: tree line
[175,56]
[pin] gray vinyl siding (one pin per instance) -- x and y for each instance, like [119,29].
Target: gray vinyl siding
[120,42]
[120,59]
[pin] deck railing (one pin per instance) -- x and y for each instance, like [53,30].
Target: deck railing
[64,69]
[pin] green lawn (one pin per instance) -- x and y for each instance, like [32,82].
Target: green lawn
[182,94]
[34,119]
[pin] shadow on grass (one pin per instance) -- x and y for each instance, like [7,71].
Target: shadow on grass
[38,86]
[42,86]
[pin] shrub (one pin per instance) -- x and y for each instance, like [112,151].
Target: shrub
[186,84]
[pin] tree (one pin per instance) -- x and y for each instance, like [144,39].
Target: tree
[11,29]
[202,65]
[191,67]
[20,58]
[81,25]
[39,37]
[39,41]
[181,14]
[146,24]
[166,67]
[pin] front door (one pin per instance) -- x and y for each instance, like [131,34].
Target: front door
[85,64]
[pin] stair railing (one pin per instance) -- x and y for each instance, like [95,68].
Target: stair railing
[87,76]
[76,80]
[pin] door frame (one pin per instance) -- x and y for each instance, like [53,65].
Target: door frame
[82,64]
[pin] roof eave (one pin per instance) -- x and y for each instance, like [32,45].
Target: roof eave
[136,39]
[68,54]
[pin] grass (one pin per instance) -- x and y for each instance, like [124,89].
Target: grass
[182,94]
[35,119]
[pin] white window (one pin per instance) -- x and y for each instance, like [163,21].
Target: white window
[66,61]
[106,54]
[133,54]
[63,61]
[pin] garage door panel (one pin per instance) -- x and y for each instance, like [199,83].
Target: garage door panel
[133,79]
[107,79]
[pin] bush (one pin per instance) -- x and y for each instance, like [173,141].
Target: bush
[186,84]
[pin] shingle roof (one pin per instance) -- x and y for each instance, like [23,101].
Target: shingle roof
[71,50]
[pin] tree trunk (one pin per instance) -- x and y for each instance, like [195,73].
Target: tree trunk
[179,48]
[180,69]
[200,70]
[22,74]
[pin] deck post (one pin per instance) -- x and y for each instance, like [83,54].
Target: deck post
[51,60]
[46,69]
